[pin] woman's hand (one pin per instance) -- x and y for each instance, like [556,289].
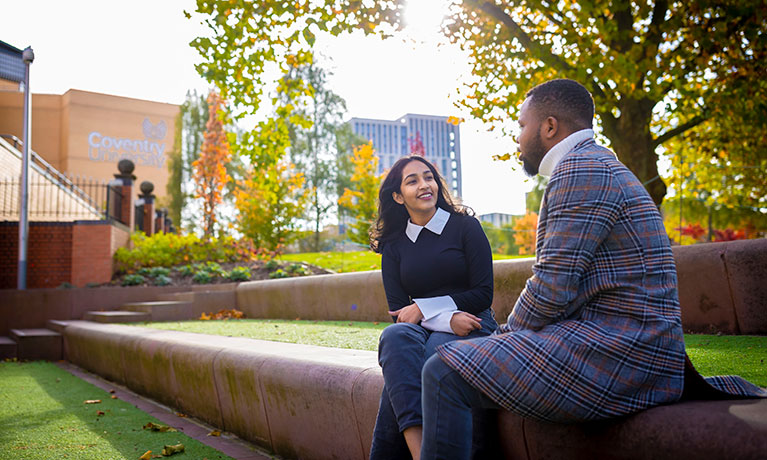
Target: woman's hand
[463,323]
[409,314]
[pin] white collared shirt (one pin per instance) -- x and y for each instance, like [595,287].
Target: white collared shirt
[437,311]
[556,153]
[435,225]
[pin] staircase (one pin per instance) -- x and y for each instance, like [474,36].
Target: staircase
[46,343]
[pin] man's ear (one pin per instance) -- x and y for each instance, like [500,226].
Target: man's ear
[397,198]
[549,128]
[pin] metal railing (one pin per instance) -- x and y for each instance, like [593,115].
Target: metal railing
[54,196]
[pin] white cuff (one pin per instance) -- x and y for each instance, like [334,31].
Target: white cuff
[440,323]
[432,306]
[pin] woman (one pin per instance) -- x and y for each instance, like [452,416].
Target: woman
[438,276]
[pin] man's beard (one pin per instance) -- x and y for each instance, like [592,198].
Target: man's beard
[535,153]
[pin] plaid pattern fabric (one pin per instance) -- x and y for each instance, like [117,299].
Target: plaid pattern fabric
[596,333]
[736,386]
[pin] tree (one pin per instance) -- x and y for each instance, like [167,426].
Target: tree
[654,68]
[190,129]
[534,197]
[210,169]
[360,199]
[174,187]
[416,145]
[524,233]
[269,201]
[313,140]
[272,196]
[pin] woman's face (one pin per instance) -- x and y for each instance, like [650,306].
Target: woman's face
[418,189]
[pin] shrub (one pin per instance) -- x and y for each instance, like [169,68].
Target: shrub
[297,269]
[144,271]
[156,272]
[279,273]
[202,277]
[133,280]
[213,268]
[162,280]
[185,270]
[169,249]
[239,274]
[271,265]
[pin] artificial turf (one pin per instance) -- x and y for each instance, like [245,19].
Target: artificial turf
[336,334]
[712,355]
[43,416]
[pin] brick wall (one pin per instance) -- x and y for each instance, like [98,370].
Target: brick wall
[91,253]
[73,252]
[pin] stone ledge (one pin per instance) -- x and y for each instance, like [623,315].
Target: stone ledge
[302,401]
[298,401]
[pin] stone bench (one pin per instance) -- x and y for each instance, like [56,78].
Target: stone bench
[302,401]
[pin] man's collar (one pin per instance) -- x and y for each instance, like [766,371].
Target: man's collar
[552,157]
[436,224]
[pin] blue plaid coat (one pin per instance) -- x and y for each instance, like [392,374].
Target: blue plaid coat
[596,333]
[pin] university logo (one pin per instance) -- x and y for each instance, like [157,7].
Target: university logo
[151,131]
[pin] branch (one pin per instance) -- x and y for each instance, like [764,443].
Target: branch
[534,48]
[679,130]
[625,21]
[537,50]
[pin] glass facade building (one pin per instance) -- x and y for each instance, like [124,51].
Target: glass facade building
[392,139]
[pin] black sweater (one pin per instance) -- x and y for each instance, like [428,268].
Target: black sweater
[457,263]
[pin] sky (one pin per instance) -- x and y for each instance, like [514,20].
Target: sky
[141,49]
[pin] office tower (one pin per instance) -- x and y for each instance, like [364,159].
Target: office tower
[439,140]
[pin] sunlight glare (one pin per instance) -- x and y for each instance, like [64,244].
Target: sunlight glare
[424,17]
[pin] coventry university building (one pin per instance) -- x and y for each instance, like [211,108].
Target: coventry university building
[391,140]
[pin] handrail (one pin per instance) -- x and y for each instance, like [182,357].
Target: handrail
[55,175]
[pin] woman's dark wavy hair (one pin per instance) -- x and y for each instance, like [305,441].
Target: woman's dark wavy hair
[392,216]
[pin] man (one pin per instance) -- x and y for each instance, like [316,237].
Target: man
[596,333]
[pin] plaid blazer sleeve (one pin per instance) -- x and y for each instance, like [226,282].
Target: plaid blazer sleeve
[581,204]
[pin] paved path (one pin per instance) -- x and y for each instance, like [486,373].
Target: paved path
[227,443]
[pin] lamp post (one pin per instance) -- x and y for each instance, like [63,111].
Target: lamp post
[28,56]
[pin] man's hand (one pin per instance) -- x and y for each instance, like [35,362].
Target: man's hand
[409,314]
[463,323]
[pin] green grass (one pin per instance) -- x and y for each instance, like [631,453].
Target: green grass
[335,334]
[43,416]
[344,262]
[712,355]
[743,355]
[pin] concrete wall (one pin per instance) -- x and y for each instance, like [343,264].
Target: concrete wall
[722,288]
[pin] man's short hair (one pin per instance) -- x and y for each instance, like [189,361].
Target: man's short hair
[566,100]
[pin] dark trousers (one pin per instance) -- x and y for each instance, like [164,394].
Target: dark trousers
[403,348]
[448,405]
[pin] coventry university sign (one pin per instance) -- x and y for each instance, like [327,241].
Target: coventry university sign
[149,151]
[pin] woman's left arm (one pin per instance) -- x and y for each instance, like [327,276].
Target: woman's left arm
[479,261]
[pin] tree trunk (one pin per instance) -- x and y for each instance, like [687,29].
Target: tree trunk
[633,143]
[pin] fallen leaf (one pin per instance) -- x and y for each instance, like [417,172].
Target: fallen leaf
[114,396]
[112,391]
[101,412]
[215,433]
[147,455]
[158,427]
[167,451]
[179,414]
[92,401]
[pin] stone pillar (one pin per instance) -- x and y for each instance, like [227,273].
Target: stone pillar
[122,208]
[160,219]
[148,199]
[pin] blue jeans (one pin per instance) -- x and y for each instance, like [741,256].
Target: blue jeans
[448,401]
[402,350]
